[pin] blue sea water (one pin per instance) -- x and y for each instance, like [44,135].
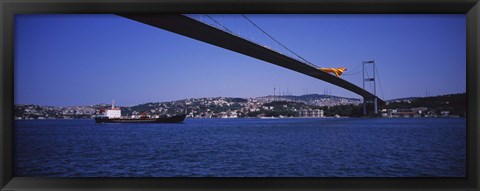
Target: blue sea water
[324,147]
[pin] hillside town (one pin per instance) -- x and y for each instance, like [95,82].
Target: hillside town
[311,106]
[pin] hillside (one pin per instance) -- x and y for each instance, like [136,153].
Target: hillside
[456,104]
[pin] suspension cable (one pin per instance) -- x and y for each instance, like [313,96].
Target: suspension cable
[368,77]
[349,71]
[380,83]
[219,24]
[277,40]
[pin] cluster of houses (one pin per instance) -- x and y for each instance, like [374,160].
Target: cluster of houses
[414,112]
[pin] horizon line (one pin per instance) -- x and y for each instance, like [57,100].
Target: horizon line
[232,97]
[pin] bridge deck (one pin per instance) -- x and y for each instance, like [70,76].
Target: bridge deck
[189,27]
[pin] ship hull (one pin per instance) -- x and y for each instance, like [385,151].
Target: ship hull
[173,119]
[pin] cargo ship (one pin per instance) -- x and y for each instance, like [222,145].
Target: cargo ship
[114,115]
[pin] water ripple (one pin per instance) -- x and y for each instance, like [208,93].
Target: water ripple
[243,148]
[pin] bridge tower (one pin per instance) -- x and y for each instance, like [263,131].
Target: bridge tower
[370,80]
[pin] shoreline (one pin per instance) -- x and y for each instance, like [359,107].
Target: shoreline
[329,117]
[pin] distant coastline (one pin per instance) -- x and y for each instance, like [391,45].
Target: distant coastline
[311,105]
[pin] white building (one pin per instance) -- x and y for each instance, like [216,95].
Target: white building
[445,113]
[310,113]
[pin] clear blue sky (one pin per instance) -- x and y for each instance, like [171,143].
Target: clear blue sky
[66,60]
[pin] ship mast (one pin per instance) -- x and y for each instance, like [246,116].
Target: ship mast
[113,104]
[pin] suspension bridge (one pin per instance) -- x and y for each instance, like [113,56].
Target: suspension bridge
[223,37]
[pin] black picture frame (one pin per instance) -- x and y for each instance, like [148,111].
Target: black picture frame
[8,9]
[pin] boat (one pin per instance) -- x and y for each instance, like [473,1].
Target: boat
[114,115]
[172,119]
